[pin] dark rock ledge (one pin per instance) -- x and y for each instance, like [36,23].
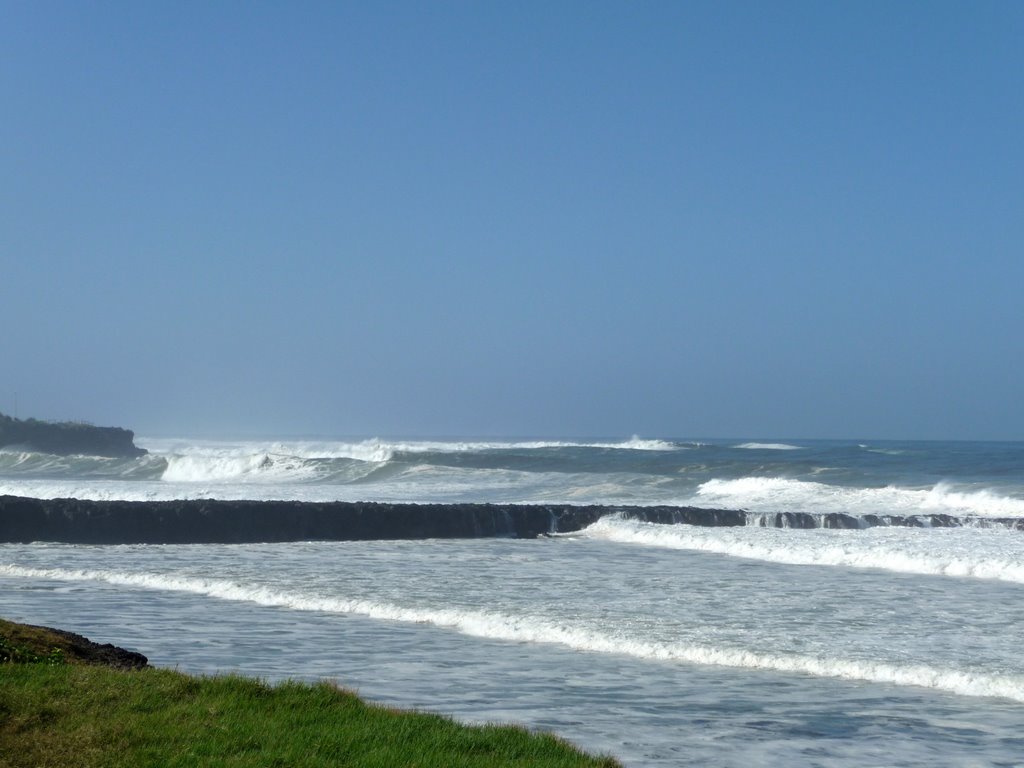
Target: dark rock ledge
[105,654]
[205,521]
[73,648]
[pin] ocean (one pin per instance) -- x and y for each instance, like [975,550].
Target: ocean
[662,645]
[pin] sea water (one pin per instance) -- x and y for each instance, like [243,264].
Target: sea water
[662,645]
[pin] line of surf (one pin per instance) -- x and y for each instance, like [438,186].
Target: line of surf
[493,625]
[378,450]
[999,557]
[768,446]
[774,494]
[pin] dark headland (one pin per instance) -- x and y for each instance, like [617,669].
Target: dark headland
[65,438]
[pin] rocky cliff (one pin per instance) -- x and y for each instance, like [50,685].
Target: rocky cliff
[68,437]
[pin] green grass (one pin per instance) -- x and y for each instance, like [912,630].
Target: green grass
[71,714]
[22,644]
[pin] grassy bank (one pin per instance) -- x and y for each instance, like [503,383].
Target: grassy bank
[57,711]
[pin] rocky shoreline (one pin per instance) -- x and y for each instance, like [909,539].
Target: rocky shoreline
[72,648]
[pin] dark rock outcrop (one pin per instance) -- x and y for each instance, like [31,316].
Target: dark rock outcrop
[68,437]
[203,521]
[27,642]
[683,515]
[106,654]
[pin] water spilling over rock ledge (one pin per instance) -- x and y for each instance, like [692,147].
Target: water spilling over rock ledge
[206,521]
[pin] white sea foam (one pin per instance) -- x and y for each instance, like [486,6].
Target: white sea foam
[768,446]
[255,467]
[943,497]
[407,482]
[36,462]
[968,553]
[776,494]
[636,443]
[13,455]
[106,490]
[372,450]
[531,629]
[378,450]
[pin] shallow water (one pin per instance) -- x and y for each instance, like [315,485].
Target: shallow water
[658,655]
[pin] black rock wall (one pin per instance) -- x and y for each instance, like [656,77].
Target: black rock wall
[202,521]
[206,521]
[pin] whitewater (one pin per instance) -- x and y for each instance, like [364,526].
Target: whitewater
[661,644]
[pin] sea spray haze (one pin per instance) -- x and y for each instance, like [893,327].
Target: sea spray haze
[663,644]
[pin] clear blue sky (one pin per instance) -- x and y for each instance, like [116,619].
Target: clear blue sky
[531,218]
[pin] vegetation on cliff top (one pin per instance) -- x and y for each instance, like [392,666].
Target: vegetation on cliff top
[63,712]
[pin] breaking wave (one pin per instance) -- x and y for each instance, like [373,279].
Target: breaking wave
[974,553]
[317,461]
[775,494]
[25,462]
[759,477]
[768,447]
[254,467]
[530,629]
[378,450]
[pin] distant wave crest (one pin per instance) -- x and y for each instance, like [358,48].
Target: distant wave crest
[314,461]
[768,447]
[777,494]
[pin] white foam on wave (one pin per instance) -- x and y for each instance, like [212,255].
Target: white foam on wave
[768,447]
[108,490]
[16,454]
[411,482]
[27,460]
[210,461]
[634,443]
[965,553]
[253,467]
[637,443]
[529,629]
[378,450]
[371,450]
[943,497]
[776,494]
